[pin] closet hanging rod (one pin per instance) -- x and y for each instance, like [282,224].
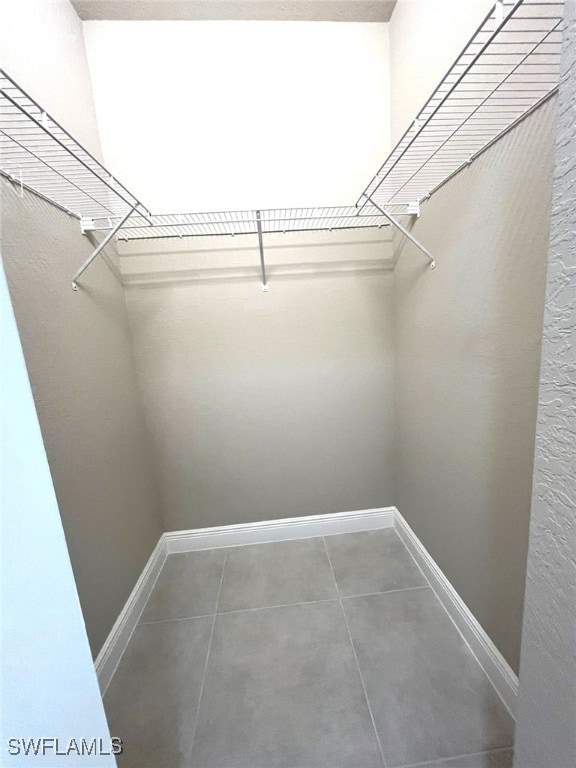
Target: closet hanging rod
[90,226]
[243,222]
[493,141]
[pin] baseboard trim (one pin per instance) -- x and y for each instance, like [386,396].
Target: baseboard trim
[223,536]
[488,656]
[279,530]
[116,642]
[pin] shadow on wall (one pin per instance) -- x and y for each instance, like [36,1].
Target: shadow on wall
[300,271]
[294,255]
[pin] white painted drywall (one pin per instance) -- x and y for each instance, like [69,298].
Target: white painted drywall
[265,405]
[77,345]
[467,341]
[426,36]
[49,686]
[200,116]
[42,48]
[546,732]
[78,351]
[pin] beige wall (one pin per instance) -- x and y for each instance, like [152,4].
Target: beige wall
[77,345]
[42,48]
[265,405]
[426,36]
[79,358]
[467,358]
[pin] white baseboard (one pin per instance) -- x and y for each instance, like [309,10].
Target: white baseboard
[223,536]
[491,660]
[279,530]
[116,642]
[489,657]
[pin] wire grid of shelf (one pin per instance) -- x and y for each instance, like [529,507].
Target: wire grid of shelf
[242,222]
[510,65]
[40,155]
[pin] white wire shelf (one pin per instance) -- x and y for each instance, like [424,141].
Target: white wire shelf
[240,222]
[510,65]
[36,153]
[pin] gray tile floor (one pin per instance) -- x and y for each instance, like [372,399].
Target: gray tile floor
[319,653]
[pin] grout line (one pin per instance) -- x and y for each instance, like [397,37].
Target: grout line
[355,657]
[221,583]
[281,605]
[416,563]
[437,594]
[442,760]
[177,618]
[214,616]
[332,568]
[385,592]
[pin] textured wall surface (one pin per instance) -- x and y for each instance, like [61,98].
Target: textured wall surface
[467,358]
[79,357]
[265,405]
[546,733]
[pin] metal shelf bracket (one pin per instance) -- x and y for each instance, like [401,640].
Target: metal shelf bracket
[261,246]
[392,220]
[86,224]
[100,248]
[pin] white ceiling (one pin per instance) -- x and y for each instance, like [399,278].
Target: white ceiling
[249,10]
[224,115]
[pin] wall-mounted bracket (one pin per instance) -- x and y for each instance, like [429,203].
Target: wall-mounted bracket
[86,224]
[261,246]
[405,232]
[413,209]
[100,248]
[18,181]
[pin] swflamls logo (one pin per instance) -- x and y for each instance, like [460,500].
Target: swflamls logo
[50,745]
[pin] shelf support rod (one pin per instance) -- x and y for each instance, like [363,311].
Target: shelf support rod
[261,246]
[100,248]
[405,232]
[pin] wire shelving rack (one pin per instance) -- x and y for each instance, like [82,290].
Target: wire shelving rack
[37,153]
[509,67]
[243,222]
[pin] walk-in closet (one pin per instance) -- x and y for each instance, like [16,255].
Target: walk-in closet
[289,398]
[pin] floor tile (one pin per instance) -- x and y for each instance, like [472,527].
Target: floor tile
[278,573]
[429,696]
[152,700]
[282,690]
[188,586]
[372,561]
[500,759]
